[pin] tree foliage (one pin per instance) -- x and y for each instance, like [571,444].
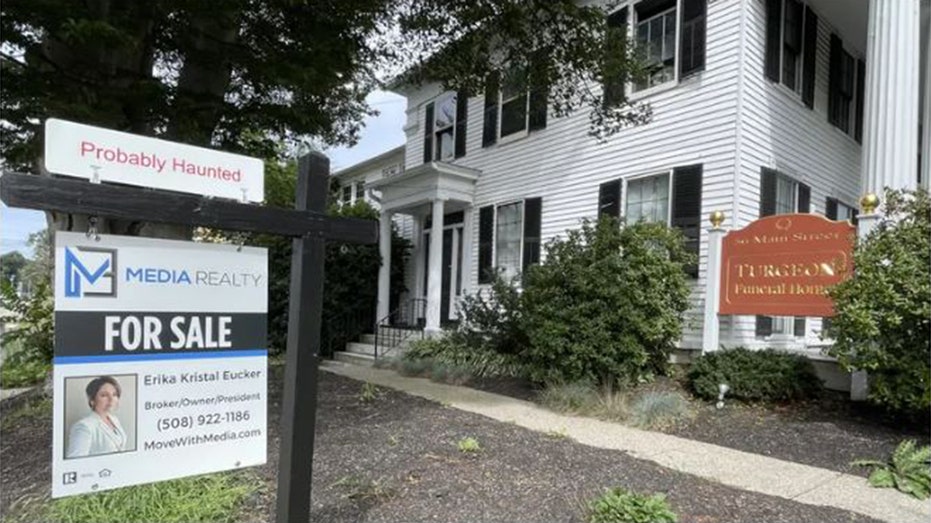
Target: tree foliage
[607,304]
[883,312]
[11,264]
[242,75]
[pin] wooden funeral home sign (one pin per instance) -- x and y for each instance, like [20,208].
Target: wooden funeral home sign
[783,265]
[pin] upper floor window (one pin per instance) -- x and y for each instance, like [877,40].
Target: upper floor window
[845,90]
[791,46]
[656,38]
[670,40]
[360,190]
[347,194]
[445,127]
[515,104]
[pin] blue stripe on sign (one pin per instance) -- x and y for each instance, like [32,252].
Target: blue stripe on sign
[152,356]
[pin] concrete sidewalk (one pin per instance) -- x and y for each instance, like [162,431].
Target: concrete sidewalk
[734,468]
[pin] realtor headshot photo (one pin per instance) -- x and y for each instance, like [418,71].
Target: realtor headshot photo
[100,415]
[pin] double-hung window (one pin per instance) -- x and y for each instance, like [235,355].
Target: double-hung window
[515,103]
[670,43]
[347,194]
[780,194]
[791,46]
[509,238]
[670,197]
[845,90]
[360,190]
[445,127]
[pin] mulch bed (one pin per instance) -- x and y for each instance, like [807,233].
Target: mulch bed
[395,459]
[829,432]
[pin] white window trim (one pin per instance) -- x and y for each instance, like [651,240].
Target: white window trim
[435,140]
[515,135]
[667,172]
[800,64]
[633,94]
[784,326]
[494,233]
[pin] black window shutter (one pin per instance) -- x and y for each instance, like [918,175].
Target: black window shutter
[799,327]
[428,135]
[490,128]
[834,80]
[764,325]
[861,85]
[773,40]
[539,92]
[462,120]
[804,198]
[830,209]
[609,199]
[686,208]
[616,47]
[767,192]
[809,58]
[486,229]
[692,45]
[532,215]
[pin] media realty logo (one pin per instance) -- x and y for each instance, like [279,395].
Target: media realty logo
[90,271]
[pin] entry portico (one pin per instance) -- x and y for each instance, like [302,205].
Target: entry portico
[430,193]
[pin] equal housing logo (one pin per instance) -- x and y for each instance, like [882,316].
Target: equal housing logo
[90,271]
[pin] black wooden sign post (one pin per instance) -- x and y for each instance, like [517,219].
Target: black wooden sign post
[309,226]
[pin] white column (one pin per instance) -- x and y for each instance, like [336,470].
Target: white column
[859,385]
[926,117]
[417,258]
[890,131]
[384,272]
[711,333]
[435,269]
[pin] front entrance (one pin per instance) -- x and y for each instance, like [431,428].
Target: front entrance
[451,280]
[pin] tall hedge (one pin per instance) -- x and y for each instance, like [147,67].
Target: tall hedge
[883,313]
[607,304]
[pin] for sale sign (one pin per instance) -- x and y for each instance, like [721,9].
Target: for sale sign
[85,151]
[160,367]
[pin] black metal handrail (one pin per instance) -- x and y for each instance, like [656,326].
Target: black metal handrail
[400,325]
[346,327]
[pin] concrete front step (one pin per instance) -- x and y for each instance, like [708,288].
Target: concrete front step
[367,338]
[352,358]
[361,348]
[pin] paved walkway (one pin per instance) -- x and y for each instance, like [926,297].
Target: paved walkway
[743,470]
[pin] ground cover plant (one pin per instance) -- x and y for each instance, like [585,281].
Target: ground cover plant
[754,375]
[883,312]
[908,470]
[619,505]
[649,409]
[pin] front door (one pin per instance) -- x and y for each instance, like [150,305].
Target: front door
[451,277]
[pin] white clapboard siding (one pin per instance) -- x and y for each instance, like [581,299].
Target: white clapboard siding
[778,131]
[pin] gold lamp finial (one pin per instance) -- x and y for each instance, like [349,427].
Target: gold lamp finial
[869,203]
[716,218]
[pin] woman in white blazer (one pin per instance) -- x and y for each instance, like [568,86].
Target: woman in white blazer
[100,431]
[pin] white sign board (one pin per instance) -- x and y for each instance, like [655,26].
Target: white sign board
[84,151]
[160,367]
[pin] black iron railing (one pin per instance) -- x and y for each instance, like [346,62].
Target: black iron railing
[344,328]
[402,324]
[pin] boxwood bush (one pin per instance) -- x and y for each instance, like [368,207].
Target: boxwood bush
[763,375]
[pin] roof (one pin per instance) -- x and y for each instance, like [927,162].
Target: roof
[370,161]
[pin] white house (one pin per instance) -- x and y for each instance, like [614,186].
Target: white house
[759,107]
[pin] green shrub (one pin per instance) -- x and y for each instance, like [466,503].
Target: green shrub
[415,367]
[883,312]
[607,304]
[491,319]
[655,410]
[22,372]
[908,470]
[469,445]
[476,361]
[32,317]
[620,505]
[764,375]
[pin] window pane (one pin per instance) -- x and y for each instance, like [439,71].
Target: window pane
[508,239]
[444,144]
[648,199]
[785,195]
[360,190]
[669,37]
[514,115]
[445,112]
[347,194]
[845,212]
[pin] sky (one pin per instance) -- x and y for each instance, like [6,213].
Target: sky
[379,134]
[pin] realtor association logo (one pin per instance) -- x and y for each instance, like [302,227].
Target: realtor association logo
[90,271]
